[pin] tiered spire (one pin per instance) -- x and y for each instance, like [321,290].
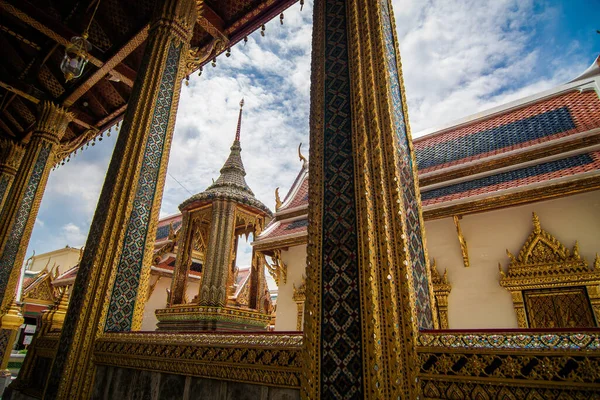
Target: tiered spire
[231,183]
[233,172]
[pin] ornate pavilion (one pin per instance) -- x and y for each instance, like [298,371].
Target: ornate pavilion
[371,321]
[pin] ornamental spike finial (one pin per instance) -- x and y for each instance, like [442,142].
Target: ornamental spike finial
[239,125]
[537,228]
[278,202]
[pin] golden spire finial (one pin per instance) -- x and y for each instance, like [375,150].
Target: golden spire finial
[278,202]
[301,157]
[537,228]
[576,250]
[510,256]
[502,274]
[597,262]
[239,125]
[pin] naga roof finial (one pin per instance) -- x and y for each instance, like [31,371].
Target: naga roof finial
[301,157]
[239,125]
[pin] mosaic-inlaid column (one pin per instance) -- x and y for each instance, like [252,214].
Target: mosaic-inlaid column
[112,281]
[368,285]
[22,204]
[10,159]
[215,271]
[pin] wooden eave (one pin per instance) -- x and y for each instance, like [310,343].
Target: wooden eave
[34,33]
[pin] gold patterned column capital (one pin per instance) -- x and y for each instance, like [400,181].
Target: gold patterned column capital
[11,154]
[177,18]
[52,122]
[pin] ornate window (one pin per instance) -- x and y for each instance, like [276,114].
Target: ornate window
[441,290]
[551,286]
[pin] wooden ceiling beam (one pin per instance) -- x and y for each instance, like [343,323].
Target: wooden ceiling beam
[7,129]
[33,95]
[211,22]
[32,16]
[109,67]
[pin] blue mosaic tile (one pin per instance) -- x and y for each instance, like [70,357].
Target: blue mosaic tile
[414,236]
[124,293]
[9,253]
[163,231]
[341,326]
[536,127]
[297,224]
[552,166]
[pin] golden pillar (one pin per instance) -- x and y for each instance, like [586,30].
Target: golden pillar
[23,202]
[112,281]
[368,287]
[19,213]
[10,159]
[216,269]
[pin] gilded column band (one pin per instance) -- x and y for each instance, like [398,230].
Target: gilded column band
[131,195]
[363,182]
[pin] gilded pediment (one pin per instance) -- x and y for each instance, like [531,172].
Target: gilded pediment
[544,259]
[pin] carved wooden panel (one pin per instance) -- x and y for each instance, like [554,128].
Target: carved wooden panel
[559,308]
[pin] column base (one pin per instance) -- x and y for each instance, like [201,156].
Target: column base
[207,318]
[5,379]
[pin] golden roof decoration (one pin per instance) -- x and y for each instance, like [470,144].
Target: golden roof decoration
[436,279]
[543,260]
[300,291]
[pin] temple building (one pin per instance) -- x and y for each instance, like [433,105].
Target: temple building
[460,265]
[482,178]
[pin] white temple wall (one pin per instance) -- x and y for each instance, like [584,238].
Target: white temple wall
[477,300]
[65,259]
[158,299]
[295,259]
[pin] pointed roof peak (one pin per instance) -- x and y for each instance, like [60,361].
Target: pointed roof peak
[239,124]
[231,183]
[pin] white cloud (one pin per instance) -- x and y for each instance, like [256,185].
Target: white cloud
[73,235]
[459,57]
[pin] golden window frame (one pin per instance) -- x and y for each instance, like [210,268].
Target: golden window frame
[544,263]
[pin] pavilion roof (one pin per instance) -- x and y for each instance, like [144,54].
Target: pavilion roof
[35,34]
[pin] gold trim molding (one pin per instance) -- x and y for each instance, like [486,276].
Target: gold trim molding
[268,359]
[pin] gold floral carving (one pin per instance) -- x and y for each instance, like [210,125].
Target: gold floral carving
[268,359]
[441,290]
[11,154]
[463,242]
[544,263]
[277,268]
[510,365]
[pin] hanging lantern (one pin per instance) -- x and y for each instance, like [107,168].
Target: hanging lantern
[76,57]
[77,53]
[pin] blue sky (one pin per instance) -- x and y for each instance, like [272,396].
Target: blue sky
[459,58]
